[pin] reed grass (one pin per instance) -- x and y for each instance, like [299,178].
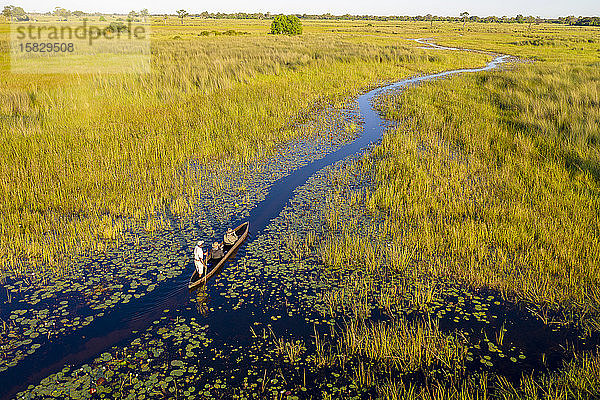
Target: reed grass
[498,186]
[85,156]
[404,346]
[373,353]
[291,351]
[578,379]
[493,184]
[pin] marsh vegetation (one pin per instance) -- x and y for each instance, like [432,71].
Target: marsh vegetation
[456,258]
[82,157]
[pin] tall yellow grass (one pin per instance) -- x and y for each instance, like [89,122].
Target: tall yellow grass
[81,155]
[496,184]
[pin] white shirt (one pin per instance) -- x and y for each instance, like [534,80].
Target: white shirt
[198,253]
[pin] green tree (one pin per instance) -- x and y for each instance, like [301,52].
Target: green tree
[19,14]
[571,20]
[62,12]
[182,14]
[464,16]
[16,13]
[530,20]
[144,14]
[286,24]
[7,11]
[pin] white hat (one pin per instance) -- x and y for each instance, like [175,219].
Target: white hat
[200,243]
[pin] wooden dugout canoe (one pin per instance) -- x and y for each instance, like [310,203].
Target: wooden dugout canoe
[196,281]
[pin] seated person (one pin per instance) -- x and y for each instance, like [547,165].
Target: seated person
[217,251]
[230,237]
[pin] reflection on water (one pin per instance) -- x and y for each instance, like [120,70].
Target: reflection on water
[202,299]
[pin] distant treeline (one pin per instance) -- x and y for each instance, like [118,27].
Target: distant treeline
[18,12]
[570,20]
[587,21]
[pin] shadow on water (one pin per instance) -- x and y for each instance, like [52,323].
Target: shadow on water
[118,325]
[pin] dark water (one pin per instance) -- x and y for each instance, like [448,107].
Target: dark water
[117,326]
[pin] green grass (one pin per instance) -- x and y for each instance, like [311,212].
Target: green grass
[83,154]
[506,192]
[578,379]
[494,184]
[406,347]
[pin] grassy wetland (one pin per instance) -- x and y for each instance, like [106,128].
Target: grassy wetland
[119,144]
[455,258]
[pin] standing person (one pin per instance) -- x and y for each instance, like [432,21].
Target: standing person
[230,237]
[199,258]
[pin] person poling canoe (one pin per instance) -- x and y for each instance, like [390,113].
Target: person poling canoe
[219,254]
[199,258]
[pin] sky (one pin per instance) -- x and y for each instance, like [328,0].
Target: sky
[482,8]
